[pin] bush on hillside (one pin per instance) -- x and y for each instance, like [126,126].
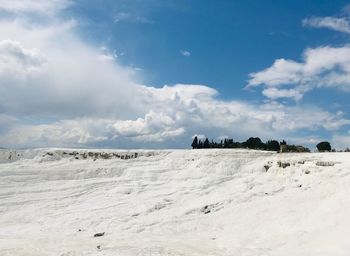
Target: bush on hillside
[324,146]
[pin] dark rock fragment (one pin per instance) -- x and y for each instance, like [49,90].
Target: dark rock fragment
[99,234]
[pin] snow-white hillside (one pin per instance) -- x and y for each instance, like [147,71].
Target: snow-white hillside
[182,202]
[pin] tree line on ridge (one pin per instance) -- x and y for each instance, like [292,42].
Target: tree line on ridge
[256,143]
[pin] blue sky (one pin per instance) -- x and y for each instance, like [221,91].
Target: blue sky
[154,73]
[227,39]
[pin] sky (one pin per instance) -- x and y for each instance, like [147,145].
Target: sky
[155,73]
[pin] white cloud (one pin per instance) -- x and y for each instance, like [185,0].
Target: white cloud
[176,113]
[223,137]
[307,140]
[62,133]
[340,141]
[17,61]
[126,16]
[6,122]
[43,7]
[153,127]
[321,67]
[194,108]
[185,53]
[337,24]
[160,136]
[275,93]
[63,76]
[199,136]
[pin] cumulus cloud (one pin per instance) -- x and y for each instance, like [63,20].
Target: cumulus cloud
[153,127]
[337,24]
[185,53]
[324,66]
[321,67]
[188,109]
[49,71]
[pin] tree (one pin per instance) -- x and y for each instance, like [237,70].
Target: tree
[226,143]
[195,143]
[200,144]
[283,142]
[324,146]
[254,143]
[296,148]
[206,143]
[273,145]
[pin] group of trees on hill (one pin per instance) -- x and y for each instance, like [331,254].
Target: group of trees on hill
[251,143]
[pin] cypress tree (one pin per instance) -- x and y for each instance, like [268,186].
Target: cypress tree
[195,143]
